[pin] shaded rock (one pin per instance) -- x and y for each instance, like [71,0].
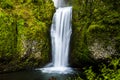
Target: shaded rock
[99,51]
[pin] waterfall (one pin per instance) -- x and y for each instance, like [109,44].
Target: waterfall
[60,35]
[59,3]
[60,38]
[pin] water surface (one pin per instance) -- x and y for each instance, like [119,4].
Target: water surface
[34,75]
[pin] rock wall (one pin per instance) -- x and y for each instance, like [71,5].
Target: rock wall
[96,32]
[24,38]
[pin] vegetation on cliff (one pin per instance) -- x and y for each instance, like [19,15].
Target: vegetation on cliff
[96,39]
[96,30]
[24,33]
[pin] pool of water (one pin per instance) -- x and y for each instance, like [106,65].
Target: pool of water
[35,75]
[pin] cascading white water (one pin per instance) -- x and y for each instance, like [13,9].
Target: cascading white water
[60,37]
[60,34]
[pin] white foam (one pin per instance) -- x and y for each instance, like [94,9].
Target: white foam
[59,70]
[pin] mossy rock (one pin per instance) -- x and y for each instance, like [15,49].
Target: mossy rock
[94,24]
[25,40]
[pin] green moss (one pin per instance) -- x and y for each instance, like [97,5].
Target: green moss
[24,33]
[93,20]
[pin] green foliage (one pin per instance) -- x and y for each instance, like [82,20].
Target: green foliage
[7,35]
[24,33]
[6,4]
[109,71]
[94,20]
[90,74]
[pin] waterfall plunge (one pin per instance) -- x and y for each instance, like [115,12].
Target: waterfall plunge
[60,34]
[60,37]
